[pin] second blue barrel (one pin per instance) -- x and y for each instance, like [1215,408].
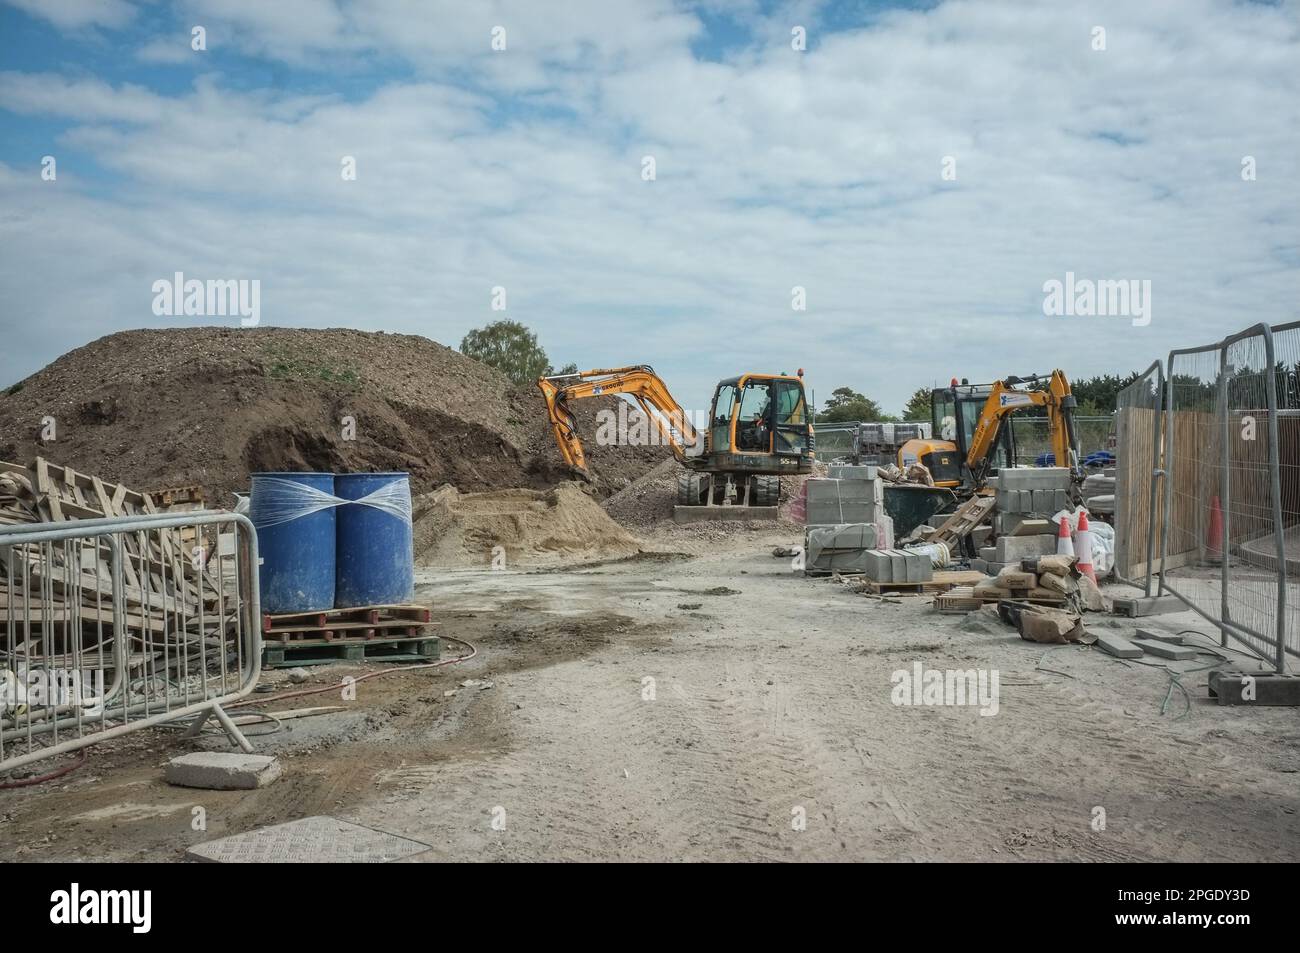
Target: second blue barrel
[294,540]
[375,564]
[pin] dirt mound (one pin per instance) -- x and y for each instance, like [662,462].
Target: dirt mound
[207,406]
[531,527]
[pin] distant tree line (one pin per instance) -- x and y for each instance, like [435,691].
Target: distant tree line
[1095,396]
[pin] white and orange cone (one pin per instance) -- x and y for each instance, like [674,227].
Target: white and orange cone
[1063,545]
[1083,545]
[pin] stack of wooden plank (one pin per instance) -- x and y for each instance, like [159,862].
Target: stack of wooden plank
[55,585]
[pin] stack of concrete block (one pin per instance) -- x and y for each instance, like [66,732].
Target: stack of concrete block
[897,565]
[1041,491]
[833,502]
[1026,497]
[839,548]
[845,518]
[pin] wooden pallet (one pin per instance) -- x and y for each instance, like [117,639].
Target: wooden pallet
[400,613]
[357,631]
[963,599]
[321,652]
[969,515]
[942,581]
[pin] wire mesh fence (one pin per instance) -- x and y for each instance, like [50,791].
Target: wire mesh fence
[1138,431]
[1231,461]
[1033,438]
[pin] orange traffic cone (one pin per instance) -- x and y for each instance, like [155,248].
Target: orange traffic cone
[1063,545]
[1214,535]
[1083,543]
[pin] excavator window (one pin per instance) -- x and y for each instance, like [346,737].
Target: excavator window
[720,426]
[753,428]
[791,422]
[943,409]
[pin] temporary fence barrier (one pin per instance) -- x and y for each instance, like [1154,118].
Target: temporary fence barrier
[1227,460]
[116,624]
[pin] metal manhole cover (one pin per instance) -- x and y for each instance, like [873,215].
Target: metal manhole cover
[312,840]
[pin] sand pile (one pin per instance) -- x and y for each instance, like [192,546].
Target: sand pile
[207,406]
[531,527]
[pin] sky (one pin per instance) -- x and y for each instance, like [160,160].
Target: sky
[883,204]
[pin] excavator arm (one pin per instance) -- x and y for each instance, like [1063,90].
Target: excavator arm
[1005,399]
[640,382]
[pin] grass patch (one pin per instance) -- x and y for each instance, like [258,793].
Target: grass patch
[285,364]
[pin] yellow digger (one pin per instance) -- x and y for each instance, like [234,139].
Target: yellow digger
[758,430]
[970,438]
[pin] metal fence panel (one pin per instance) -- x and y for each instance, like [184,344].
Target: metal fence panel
[111,625]
[1224,545]
[1139,460]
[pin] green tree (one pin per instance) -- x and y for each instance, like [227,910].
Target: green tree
[509,347]
[846,404]
[918,405]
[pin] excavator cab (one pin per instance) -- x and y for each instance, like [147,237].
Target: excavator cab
[760,415]
[955,413]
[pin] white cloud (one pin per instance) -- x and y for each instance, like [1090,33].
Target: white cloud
[72,14]
[775,169]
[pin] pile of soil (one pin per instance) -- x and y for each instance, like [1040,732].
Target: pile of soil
[207,406]
[530,527]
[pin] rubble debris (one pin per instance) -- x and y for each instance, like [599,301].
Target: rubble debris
[1044,624]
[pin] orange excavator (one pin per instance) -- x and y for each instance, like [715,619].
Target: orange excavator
[969,436]
[758,430]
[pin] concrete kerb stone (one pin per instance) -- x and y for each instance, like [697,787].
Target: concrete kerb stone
[222,771]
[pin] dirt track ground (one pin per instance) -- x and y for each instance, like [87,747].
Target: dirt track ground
[768,701]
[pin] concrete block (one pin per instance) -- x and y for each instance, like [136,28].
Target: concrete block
[1022,524]
[1034,478]
[222,771]
[832,514]
[898,571]
[1165,650]
[847,471]
[1169,637]
[1255,688]
[878,566]
[989,553]
[1012,549]
[919,566]
[1042,500]
[981,535]
[839,547]
[1117,646]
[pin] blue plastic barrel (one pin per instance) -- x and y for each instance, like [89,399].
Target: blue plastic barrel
[376,562]
[297,571]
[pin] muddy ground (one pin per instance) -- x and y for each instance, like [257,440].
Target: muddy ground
[771,703]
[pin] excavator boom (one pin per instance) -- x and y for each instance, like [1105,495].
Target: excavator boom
[640,382]
[1005,399]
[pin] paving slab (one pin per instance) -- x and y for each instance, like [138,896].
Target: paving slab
[1165,650]
[1117,646]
